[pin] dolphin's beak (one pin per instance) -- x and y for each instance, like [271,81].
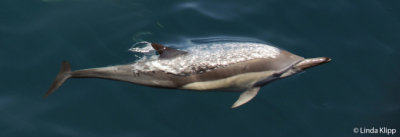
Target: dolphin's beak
[311,62]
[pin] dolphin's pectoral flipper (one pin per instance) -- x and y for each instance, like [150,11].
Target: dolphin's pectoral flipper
[64,74]
[165,52]
[246,96]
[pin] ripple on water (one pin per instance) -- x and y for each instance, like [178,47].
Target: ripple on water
[214,10]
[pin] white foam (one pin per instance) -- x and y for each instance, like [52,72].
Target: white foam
[142,47]
[205,57]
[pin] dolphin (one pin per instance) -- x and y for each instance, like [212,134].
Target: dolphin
[244,67]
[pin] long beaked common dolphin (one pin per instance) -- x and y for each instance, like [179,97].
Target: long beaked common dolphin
[242,67]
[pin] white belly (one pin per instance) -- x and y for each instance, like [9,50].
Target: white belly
[238,82]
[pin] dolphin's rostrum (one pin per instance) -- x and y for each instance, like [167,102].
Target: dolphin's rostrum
[243,67]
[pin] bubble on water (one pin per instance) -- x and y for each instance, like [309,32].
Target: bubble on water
[143,47]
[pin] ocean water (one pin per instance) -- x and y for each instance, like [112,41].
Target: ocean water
[358,89]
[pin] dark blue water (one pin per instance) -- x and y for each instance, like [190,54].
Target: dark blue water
[359,88]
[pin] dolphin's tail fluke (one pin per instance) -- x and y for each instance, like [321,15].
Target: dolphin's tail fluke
[64,74]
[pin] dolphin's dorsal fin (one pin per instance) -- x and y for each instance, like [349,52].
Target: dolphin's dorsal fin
[166,52]
[246,96]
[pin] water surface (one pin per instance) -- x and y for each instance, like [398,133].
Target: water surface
[359,88]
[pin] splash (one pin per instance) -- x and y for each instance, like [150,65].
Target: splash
[206,56]
[143,47]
